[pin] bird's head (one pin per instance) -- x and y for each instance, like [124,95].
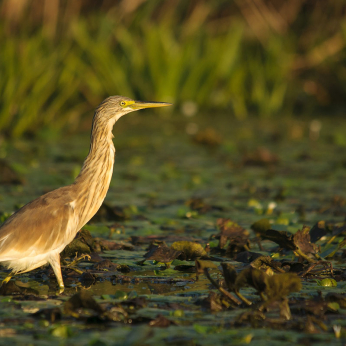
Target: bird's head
[114,107]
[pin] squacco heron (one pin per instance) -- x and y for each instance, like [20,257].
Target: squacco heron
[39,231]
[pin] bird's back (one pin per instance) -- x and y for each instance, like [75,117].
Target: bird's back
[41,226]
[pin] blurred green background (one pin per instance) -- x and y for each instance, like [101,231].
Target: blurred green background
[246,58]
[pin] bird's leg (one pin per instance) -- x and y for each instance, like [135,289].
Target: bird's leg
[54,261]
[8,278]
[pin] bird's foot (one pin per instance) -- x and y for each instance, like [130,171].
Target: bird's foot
[61,289]
[78,259]
[6,280]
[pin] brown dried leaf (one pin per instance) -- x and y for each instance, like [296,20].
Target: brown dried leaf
[318,231]
[230,275]
[229,229]
[105,264]
[298,241]
[316,308]
[265,262]
[247,256]
[216,302]
[199,205]
[260,157]
[280,304]
[302,240]
[282,238]
[161,321]
[162,254]
[236,245]
[115,245]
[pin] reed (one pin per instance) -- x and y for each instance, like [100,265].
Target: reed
[248,58]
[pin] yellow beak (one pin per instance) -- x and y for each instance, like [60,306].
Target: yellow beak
[141,105]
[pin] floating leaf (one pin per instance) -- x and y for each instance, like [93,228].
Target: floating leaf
[61,331]
[261,226]
[327,282]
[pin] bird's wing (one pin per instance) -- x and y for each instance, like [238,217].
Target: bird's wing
[38,227]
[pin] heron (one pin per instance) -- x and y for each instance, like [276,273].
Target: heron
[36,234]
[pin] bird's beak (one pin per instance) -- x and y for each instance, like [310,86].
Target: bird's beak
[141,105]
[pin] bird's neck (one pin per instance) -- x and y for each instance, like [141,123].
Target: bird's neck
[94,178]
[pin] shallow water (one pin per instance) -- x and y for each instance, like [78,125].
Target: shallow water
[159,171]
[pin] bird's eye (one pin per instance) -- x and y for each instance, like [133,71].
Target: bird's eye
[122,103]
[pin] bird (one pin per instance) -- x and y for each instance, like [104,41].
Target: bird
[36,234]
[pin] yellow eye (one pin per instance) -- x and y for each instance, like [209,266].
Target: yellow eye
[123,103]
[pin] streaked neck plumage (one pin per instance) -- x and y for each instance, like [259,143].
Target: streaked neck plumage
[93,181]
